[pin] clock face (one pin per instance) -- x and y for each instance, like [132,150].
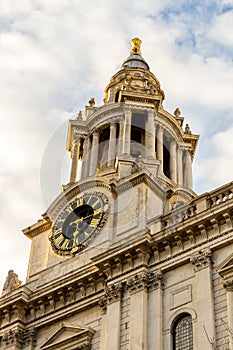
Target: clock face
[79,223]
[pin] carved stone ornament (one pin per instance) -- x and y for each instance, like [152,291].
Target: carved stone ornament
[12,283]
[145,281]
[112,294]
[19,337]
[201,259]
[14,336]
[228,285]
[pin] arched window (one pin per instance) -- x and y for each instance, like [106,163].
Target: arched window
[183,333]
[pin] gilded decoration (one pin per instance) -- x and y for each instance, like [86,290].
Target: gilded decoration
[136,46]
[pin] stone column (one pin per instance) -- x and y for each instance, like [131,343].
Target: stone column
[94,153]
[150,134]
[229,288]
[137,286]
[112,145]
[204,294]
[75,158]
[188,170]
[86,157]
[127,131]
[173,163]
[155,307]
[160,146]
[180,165]
[121,137]
[111,317]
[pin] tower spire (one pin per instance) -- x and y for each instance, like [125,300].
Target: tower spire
[136,49]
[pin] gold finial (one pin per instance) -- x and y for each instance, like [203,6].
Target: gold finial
[135,43]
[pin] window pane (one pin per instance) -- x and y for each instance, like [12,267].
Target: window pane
[183,334]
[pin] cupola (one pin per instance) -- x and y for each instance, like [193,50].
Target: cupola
[134,82]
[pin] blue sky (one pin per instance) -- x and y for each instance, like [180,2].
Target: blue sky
[55,55]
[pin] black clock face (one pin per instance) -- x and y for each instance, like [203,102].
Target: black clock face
[79,223]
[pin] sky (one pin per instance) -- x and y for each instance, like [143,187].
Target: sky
[55,55]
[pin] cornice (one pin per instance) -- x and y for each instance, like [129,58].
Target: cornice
[42,225]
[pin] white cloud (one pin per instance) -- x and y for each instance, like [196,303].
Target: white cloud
[222,29]
[215,168]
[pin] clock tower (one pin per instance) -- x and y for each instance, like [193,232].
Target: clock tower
[117,259]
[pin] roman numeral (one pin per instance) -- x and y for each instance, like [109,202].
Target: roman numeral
[79,201]
[94,222]
[65,245]
[59,239]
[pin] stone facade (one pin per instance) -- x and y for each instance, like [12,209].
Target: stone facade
[158,252]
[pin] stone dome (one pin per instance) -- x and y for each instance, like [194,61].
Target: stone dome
[135,60]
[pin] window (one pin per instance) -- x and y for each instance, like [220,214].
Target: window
[183,333]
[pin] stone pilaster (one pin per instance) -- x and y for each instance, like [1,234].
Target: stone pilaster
[180,166]
[94,153]
[86,157]
[173,162]
[127,132]
[111,317]
[188,177]
[204,296]
[155,305]
[228,285]
[121,136]
[150,134]
[112,145]
[160,146]
[75,158]
[138,285]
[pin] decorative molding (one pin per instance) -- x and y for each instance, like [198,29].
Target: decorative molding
[19,337]
[70,337]
[201,259]
[228,285]
[181,296]
[112,294]
[145,281]
[41,226]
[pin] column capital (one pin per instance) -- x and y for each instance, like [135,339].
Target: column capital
[159,127]
[112,123]
[145,281]
[112,294]
[151,111]
[76,136]
[95,132]
[228,285]
[128,109]
[13,337]
[201,259]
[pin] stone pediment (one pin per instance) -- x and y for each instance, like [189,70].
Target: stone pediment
[225,269]
[69,337]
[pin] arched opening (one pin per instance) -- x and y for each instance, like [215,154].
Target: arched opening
[103,148]
[182,333]
[137,134]
[117,96]
[166,156]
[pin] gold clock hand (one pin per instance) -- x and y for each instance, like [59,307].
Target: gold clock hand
[95,213]
[76,222]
